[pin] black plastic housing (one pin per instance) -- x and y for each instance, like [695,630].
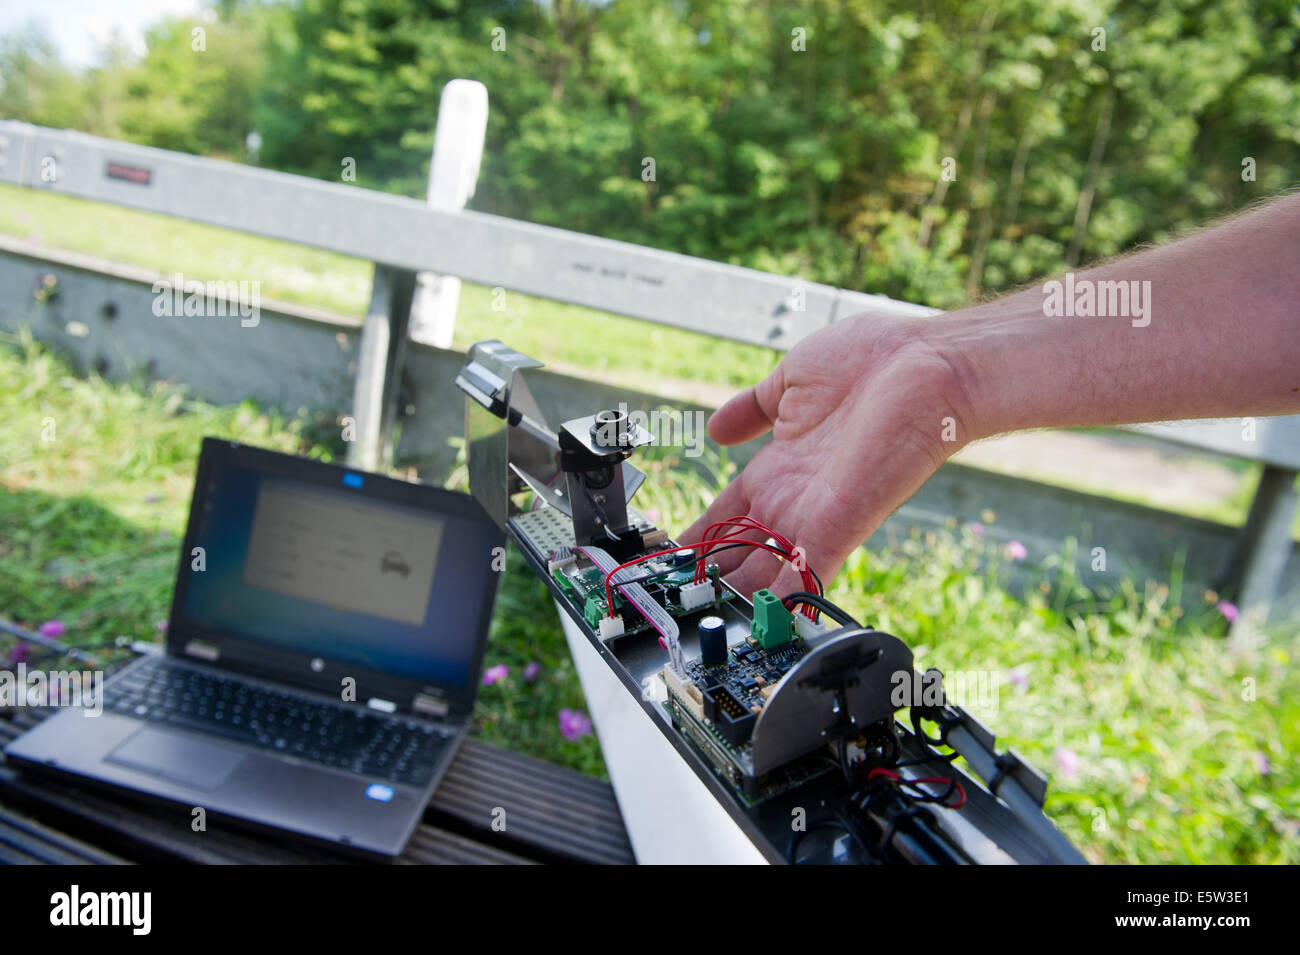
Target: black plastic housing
[729,716]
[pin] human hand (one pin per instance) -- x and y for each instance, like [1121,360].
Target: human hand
[859,413]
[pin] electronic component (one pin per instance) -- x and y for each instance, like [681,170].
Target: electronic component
[713,641]
[694,596]
[729,716]
[773,624]
[561,559]
[808,629]
[758,715]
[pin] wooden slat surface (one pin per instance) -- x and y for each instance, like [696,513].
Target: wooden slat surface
[564,815]
[552,814]
[22,834]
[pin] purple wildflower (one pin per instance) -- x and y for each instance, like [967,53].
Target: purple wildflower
[531,671]
[494,674]
[51,628]
[574,724]
[1018,677]
[1229,611]
[977,529]
[1068,760]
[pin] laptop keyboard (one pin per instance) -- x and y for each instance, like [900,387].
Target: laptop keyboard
[342,737]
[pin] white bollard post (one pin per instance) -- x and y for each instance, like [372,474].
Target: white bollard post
[453,173]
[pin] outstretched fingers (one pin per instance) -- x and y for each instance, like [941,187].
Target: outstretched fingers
[750,413]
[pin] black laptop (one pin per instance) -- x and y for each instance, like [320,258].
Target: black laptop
[325,642]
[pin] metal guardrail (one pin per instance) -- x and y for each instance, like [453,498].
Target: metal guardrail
[664,287]
[406,236]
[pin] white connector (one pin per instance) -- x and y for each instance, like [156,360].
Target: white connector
[807,629]
[698,595]
[610,627]
[561,558]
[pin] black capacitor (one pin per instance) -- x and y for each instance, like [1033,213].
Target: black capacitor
[713,641]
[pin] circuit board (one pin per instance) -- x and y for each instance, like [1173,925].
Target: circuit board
[769,706]
[742,685]
[662,579]
[717,706]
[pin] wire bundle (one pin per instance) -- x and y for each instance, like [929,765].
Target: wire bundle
[785,549]
[715,542]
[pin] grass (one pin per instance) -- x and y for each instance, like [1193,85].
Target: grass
[1162,746]
[90,523]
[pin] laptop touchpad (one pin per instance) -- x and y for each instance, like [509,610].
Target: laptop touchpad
[181,759]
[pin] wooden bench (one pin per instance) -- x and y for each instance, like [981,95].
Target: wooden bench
[553,815]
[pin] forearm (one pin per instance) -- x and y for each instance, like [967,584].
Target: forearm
[1211,329]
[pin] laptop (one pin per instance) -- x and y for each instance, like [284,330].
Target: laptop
[325,643]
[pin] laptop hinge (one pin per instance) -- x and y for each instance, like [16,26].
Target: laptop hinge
[204,651]
[430,705]
[383,706]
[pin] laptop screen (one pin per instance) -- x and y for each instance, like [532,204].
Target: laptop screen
[328,569]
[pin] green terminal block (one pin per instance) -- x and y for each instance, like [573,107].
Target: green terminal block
[773,624]
[593,610]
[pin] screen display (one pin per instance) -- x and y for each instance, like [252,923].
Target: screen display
[331,572]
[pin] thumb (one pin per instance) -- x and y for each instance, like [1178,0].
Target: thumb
[750,413]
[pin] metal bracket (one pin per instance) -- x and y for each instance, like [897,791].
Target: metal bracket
[510,446]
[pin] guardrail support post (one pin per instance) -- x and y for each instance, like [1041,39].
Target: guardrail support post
[453,173]
[1259,560]
[379,367]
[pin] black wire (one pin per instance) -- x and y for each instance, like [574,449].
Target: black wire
[923,796]
[600,511]
[825,606]
[821,588]
[936,758]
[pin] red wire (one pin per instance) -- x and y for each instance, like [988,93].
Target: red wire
[740,525]
[609,597]
[935,780]
[940,780]
[713,538]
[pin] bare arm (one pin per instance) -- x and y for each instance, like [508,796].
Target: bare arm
[863,412]
[1220,337]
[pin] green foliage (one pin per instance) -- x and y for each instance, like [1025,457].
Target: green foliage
[1066,145]
[1182,749]
[1176,761]
[825,162]
[90,525]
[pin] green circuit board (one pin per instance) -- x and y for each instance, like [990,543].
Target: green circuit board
[585,586]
